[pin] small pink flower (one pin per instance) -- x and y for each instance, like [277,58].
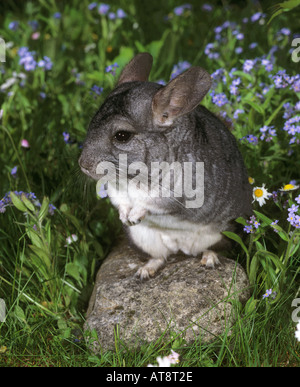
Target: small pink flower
[25,143]
[35,35]
[71,239]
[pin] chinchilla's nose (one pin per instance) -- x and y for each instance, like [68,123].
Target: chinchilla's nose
[84,165]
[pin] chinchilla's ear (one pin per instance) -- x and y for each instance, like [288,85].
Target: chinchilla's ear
[180,96]
[138,69]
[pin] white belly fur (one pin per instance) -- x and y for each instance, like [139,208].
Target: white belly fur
[163,235]
[160,234]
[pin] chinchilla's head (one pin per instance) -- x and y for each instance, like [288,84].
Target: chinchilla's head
[140,119]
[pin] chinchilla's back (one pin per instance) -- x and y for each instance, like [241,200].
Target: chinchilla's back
[227,192]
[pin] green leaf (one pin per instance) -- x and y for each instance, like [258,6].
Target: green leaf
[250,305]
[275,14]
[17,202]
[241,220]
[62,324]
[263,218]
[259,246]
[27,202]
[236,238]
[284,7]
[283,235]
[166,55]
[44,209]
[139,46]
[43,256]
[253,269]
[255,106]
[34,237]
[274,114]
[73,271]
[64,329]
[18,312]
[243,75]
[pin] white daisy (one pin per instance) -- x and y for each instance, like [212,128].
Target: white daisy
[289,187]
[260,194]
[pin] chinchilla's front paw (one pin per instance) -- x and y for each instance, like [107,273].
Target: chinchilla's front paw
[123,213]
[136,215]
[132,216]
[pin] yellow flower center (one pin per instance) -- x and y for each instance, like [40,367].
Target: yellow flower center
[288,186]
[251,180]
[258,192]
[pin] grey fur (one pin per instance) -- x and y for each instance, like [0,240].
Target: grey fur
[167,125]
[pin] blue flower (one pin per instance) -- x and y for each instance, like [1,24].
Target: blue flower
[103,9]
[267,294]
[33,24]
[121,14]
[217,75]
[267,64]
[273,224]
[66,137]
[161,82]
[218,29]
[253,45]
[179,68]
[111,68]
[92,5]
[13,172]
[284,31]
[97,90]
[207,51]
[233,89]
[250,138]
[219,99]
[51,209]
[57,15]
[293,209]
[111,15]
[180,10]
[237,112]
[102,192]
[240,36]
[14,25]
[238,50]
[249,229]
[27,59]
[207,7]
[45,63]
[257,16]
[248,65]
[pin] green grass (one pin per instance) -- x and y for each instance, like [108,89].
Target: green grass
[46,282]
[258,339]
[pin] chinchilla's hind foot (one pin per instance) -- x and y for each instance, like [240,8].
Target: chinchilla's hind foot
[151,268]
[210,259]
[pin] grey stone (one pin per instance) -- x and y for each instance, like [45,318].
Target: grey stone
[184,298]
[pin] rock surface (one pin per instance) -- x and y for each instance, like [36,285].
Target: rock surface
[184,298]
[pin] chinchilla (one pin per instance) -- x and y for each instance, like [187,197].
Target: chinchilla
[146,136]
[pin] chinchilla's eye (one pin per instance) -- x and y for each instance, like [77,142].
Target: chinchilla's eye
[123,136]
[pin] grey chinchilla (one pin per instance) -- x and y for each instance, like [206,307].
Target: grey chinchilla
[153,127]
